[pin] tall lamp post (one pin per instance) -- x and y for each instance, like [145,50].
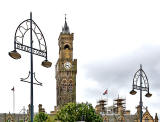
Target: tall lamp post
[22,29]
[140,75]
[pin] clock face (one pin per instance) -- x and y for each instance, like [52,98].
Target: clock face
[67,65]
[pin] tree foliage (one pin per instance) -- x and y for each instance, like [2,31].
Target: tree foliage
[41,117]
[78,112]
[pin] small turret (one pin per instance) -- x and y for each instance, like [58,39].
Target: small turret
[138,111]
[40,109]
[156,118]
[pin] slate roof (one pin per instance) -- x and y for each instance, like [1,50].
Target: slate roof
[116,117]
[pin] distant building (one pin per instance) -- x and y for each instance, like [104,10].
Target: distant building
[23,116]
[13,117]
[118,113]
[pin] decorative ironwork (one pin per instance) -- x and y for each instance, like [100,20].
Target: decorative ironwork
[25,79]
[144,86]
[28,49]
[21,30]
[141,76]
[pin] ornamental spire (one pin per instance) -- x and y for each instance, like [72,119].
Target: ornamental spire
[156,118]
[65,29]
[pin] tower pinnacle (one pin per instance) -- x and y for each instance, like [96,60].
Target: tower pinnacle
[65,29]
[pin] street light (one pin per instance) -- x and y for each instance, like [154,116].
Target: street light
[22,110]
[22,29]
[143,86]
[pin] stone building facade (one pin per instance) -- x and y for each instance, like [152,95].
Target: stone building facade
[23,116]
[118,113]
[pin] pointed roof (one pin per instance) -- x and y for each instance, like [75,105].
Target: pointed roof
[147,114]
[156,117]
[65,29]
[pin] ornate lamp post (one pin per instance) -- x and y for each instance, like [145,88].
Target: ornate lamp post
[22,29]
[140,75]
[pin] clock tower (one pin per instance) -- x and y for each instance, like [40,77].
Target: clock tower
[66,68]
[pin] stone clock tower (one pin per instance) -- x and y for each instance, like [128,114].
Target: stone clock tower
[66,68]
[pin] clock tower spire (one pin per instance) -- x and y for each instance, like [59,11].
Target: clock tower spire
[66,68]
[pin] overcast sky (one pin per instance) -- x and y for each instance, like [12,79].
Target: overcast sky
[111,39]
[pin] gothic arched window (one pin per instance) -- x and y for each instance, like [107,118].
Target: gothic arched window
[146,119]
[66,47]
[64,86]
[70,87]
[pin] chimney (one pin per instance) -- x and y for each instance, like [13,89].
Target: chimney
[127,112]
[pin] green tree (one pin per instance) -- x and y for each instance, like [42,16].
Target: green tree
[50,119]
[77,112]
[41,117]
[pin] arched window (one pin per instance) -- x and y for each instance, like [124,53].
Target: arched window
[64,86]
[9,119]
[66,47]
[105,119]
[121,119]
[146,119]
[70,87]
[59,100]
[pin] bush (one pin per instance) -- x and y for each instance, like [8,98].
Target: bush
[78,112]
[41,117]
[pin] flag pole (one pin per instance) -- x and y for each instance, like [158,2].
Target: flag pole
[13,99]
[107,96]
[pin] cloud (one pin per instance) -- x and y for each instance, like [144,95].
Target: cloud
[116,74]
[120,71]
